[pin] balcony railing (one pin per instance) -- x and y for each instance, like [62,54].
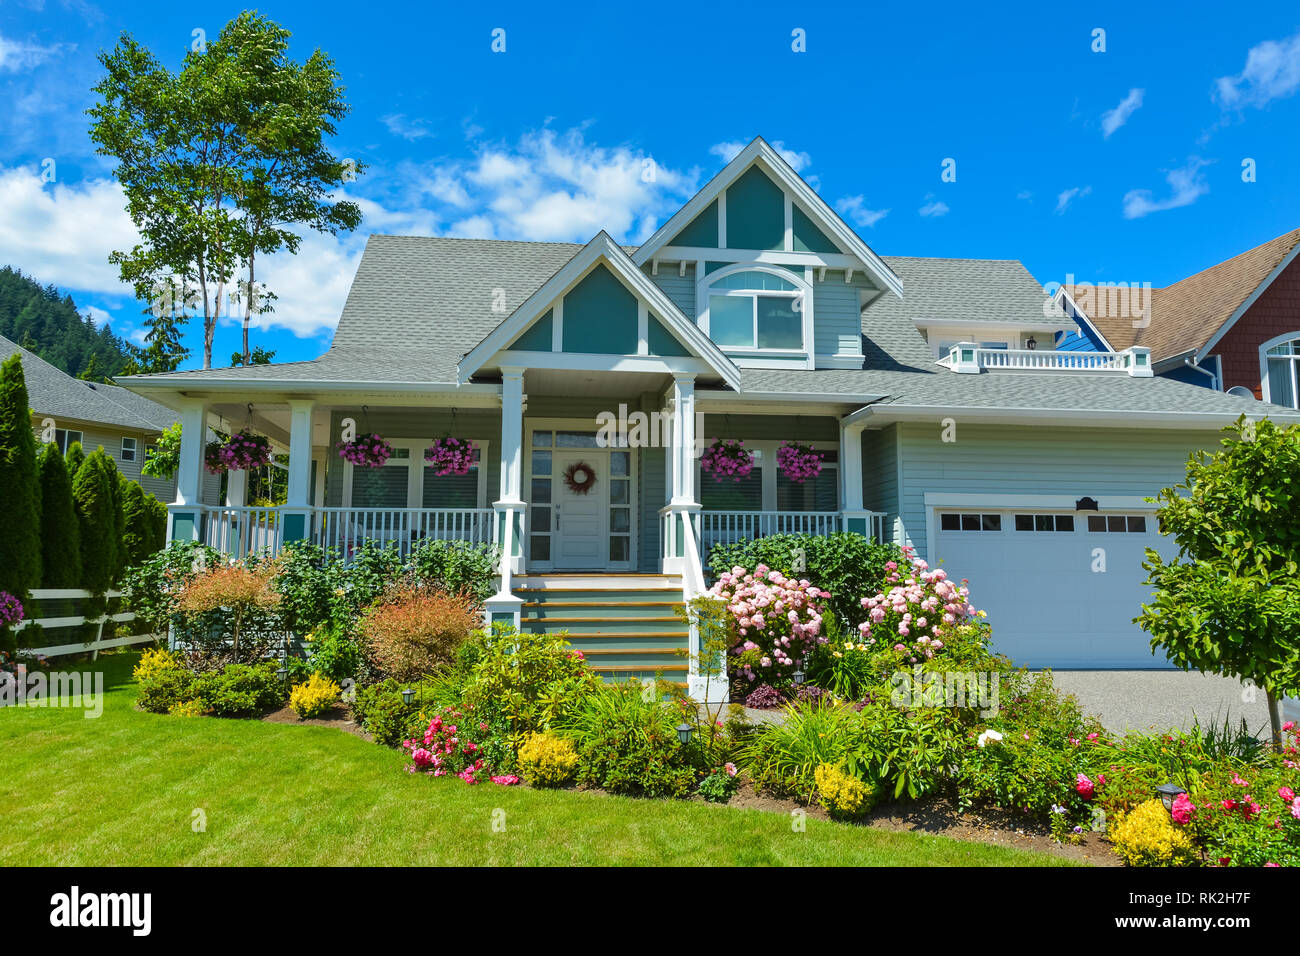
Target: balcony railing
[969,357]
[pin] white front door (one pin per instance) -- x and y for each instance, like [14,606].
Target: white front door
[581,538]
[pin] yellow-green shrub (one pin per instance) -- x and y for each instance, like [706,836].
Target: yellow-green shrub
[841,795]
[315,697]
[152,662]
[546,760]
[189,708]
[1145,836]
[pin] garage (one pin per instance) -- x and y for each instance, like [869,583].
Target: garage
[1061,587]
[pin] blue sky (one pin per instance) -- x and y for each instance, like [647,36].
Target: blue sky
[1117,165]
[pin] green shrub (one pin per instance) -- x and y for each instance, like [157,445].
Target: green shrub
[846,564]
[842,795]
[151,585]
[373,570]
[546,760]
[413,632]
[315,697]
[163,689]
[334,654]
[60,533]
[1147,837]
[94,493]
[311,582]
[456,566]
[783,757]
[76,458]
[240,690]
[627,743]
[20,542]
[379,708]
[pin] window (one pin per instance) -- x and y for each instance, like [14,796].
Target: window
[1280,385]
[406,481]
[731,495]
[128,449]
[66,439]
[970,522]
[754,309]
[813,494]
[1044,522]
[1126,524]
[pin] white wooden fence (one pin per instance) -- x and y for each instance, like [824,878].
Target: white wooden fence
[94,646]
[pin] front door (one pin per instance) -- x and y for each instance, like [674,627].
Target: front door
[582,512]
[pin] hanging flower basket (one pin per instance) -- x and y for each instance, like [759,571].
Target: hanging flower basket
[799,462]
[366,451]
[727,458]
[451,456]
[243,452]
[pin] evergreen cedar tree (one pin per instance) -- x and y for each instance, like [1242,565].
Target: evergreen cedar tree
[145,518]
[60,533]
[20,543]
[76,455]
[94,493]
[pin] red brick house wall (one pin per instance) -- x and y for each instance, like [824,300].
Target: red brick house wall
[1276,312]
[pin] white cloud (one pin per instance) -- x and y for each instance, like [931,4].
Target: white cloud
[1064,199]
[97,315]
[1112,120]
[855,208]
[934,208]
[1272,72]
[728,150]
[407,129]
[1024,194]
[17,56]
[1187,185]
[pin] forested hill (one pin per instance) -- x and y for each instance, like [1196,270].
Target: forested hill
[45,321]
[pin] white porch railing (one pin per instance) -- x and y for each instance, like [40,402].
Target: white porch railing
[968,357]
[728,527]
[239,532]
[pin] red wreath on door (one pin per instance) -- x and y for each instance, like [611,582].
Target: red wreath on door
[579,477]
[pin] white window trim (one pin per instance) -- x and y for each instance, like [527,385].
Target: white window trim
[415,477]
[68,440]
[768,449]
[135,449]
[753,355]
[1293,359]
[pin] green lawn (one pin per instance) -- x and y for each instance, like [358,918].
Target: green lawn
[122,790]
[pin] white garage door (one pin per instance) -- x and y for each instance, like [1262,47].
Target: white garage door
[1038,576]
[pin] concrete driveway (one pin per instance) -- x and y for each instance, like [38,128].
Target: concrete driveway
[1159,700]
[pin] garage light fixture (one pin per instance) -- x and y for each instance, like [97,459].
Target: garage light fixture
[1086,504]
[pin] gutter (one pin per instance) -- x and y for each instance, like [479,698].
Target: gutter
[1114,418]
[1190,362]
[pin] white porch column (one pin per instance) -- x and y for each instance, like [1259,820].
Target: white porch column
[685,465]
[236,489]
[856,517]
[294,526]
[185,515]
[505,607]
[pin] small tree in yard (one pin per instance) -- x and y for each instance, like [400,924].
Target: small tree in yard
[20,543]
[1229,602]
[240,593]
[60,534]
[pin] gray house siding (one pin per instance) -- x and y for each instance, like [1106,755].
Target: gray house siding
[837,315]
[681,289]
[880,474]
[1019,460]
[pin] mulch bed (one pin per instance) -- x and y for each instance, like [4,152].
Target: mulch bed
[339,717]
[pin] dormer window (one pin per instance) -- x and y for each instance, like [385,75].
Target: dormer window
[753,309]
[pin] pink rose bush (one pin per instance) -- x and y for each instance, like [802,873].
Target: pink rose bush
[456,744]
[727,458]
[451,456]
[777,622]
[366,451]
[919,613]
[799,462]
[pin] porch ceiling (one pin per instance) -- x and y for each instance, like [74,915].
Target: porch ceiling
[575,384]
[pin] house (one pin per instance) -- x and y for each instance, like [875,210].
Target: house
[948,420]
[67,410]
[1233,325]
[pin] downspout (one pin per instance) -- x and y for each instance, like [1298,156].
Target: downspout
[1190,362]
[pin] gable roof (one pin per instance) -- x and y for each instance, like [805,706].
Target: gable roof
[1191,315]
[601,249]
[758,151]
[52,391]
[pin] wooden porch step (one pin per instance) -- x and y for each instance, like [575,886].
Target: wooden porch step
[598,603]
[605,619]
[666,651]
[625,668]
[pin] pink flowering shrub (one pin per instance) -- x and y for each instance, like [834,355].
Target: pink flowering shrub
[243,452]
[458,743]
[799,462]
[776,623]
[727,458]
[366,451]
[451,456]
[920,613]
[11,610]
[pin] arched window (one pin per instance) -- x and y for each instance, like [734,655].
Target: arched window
[748,308]
[1278,361]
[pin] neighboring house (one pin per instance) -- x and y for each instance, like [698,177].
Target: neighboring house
[123,423]
[753,313]
[1234,325]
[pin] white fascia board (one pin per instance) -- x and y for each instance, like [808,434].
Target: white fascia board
[758,151]
[1083,417]
[1003,325]
[1062,294]
[1242,309]
[942,499]
[592,362]
[601,248]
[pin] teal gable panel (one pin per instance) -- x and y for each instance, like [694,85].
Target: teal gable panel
[538,336]
[702,230]
[661,340]
[807,237]
[600,316]
[755,212]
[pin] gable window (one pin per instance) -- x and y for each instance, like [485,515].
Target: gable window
[1280,372]
[755,309]
[128,449]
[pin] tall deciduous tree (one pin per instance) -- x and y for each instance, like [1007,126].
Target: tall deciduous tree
[222,162]
[60,533]
[1229,602]
[20,543]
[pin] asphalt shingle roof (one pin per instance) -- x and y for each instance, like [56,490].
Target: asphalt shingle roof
[53,392]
